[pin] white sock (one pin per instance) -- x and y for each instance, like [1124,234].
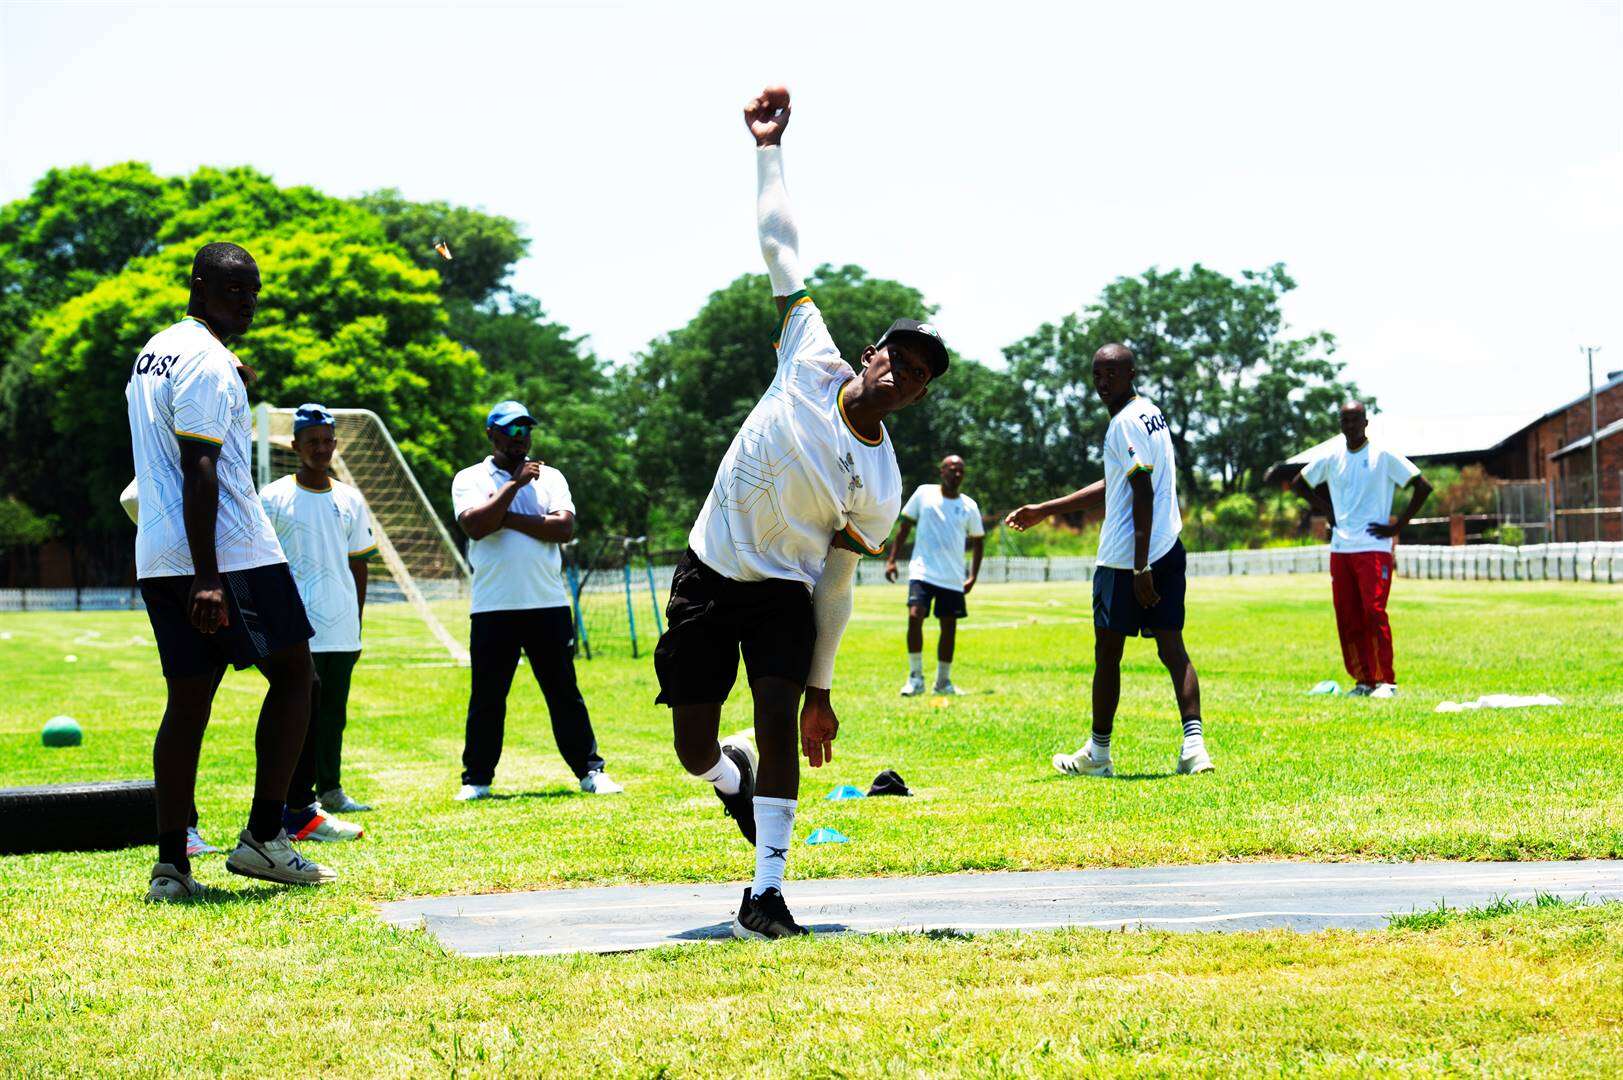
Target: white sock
[774,832]
[1097,752]
[943,671]
[724,775]
[1191,743]
[915,664]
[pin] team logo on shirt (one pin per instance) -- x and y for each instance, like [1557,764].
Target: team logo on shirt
[1152,424]
[849,464]
[153,364]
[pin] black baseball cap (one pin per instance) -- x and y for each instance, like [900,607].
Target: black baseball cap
[924,335]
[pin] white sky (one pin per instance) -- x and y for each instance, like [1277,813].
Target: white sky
[1444,180]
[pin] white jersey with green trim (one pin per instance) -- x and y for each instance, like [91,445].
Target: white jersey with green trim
[321,531]
[796,472]
[184,385]
[1137,440]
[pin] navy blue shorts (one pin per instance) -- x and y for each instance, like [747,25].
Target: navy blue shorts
[265,611]
[1116,608]
[948,603]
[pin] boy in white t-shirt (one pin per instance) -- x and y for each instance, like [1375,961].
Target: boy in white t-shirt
[326,531]
[808,485]
[1139,581]
[1362,479]
[946,520]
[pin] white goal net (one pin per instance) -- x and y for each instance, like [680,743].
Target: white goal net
[425,569]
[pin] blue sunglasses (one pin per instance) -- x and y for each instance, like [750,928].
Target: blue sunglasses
[515,431]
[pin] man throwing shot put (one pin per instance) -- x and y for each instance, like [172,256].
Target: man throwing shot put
[809,484]
[326,531]
[946,519]
[1362,479]
[1138,584]
[517,512]
[216,585]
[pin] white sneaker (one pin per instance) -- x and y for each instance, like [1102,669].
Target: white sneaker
[946,689]
[1195,760]
[1362,690]
[597,782]
[276,860]
[1384,690]
[914,686]
[170,884]
[470,792]
[321,827]
[1082,763]
[196,845]
[339,803]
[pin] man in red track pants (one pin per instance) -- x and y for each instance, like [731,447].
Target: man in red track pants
[1362,479]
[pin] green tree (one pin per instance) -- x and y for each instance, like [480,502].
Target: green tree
[483,246]
[1238,394]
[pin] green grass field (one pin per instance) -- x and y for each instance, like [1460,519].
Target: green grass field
[259,980]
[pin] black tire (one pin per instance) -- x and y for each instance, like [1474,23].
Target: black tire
[78,817]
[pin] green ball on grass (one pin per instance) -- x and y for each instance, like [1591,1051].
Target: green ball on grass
[62,731]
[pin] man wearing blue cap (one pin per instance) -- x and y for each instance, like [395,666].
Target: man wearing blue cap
[516,513]
[326,532]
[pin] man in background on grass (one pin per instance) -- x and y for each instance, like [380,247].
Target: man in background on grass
[517,513]
[213,577]
[1362,479]
[946,519]
[326,531]
[1139,581]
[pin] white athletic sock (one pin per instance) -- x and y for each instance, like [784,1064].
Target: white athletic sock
[1191,743]
[915,664]
[774,833]
[943,672]
[725,776]
[1097,752]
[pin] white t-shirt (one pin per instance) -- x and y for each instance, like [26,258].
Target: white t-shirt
[511,571]
[943,525]
[1137,440]
[1361,485]
[321,531]
[185,385]
[797,472]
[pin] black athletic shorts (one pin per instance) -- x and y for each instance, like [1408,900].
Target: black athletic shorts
[949,603]
[711,619]
[1116,606]
[265,611]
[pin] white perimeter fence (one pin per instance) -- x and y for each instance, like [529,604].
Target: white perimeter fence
[1602,562]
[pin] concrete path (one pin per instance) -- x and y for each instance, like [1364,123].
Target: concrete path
[1217,896]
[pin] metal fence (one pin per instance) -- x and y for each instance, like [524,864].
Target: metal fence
[1599,562]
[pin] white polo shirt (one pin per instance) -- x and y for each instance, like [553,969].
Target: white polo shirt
[184,385]
[1361,483]
[797,472]
[321,531]
[511,571]
[1136,441]
[943,526]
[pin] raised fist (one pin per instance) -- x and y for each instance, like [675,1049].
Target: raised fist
[767,114]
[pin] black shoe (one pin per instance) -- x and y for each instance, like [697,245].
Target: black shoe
[765,917]
[741,806]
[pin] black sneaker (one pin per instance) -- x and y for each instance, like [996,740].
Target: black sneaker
[741,806]
[765,917]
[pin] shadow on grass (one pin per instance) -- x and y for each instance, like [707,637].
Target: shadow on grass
[545,793]
[214,896]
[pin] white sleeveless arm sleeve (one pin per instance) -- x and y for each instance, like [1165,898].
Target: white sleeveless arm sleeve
[831,610]
[780,239]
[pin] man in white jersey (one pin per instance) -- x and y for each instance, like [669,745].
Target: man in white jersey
[1362,479]
[947,520]
[808,485]
[216,585]
[1139,582]
[516,513]
[326,532]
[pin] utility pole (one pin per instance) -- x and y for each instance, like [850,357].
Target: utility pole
[1594,444]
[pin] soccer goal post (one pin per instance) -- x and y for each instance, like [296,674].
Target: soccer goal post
[424,565]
